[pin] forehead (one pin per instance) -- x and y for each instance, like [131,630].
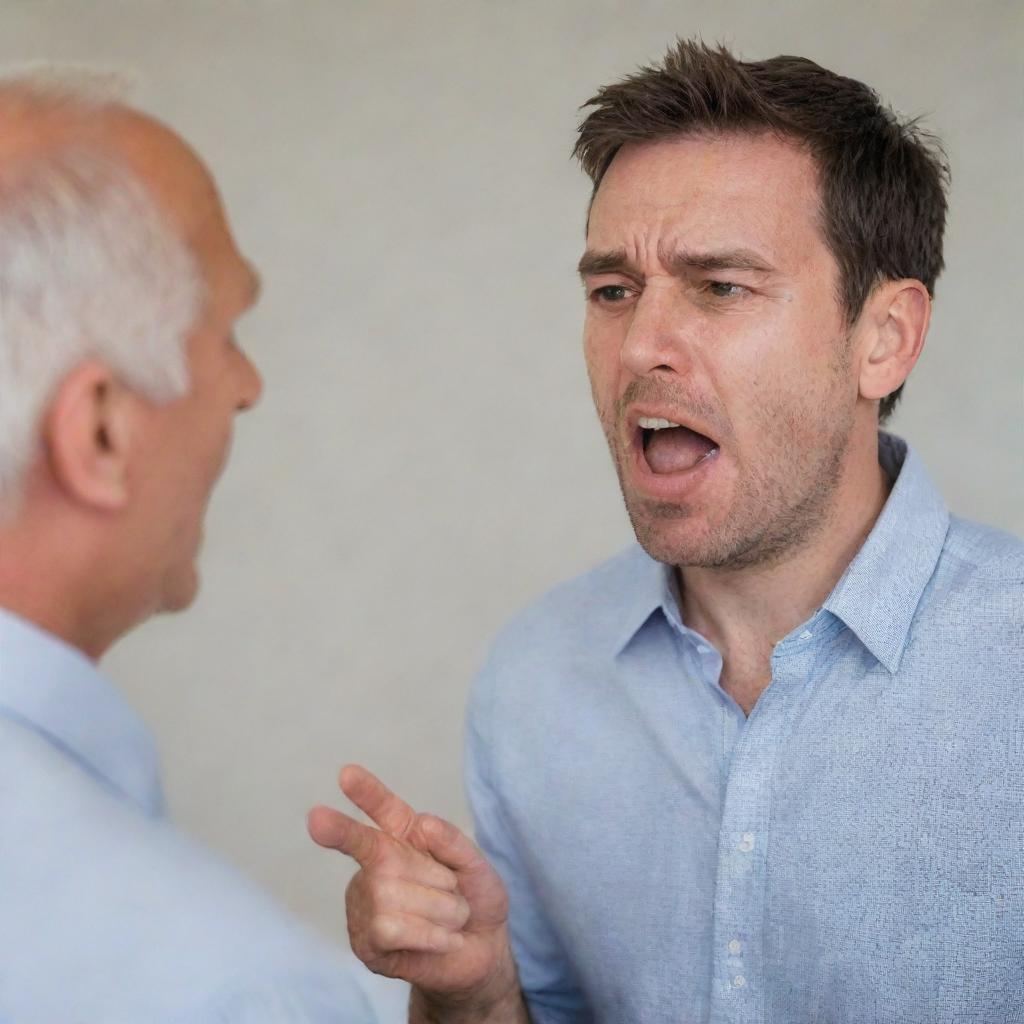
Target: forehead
[185,189]
[175,176]
[723,190]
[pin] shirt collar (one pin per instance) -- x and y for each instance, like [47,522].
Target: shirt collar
[55,690]
[651,587]
[880,590]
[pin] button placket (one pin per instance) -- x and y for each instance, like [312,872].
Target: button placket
[740,896]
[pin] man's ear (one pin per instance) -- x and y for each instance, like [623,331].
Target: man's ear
[88,433]
[895,319]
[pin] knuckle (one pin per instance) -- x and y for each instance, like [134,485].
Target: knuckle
[357,890]
[361,942]
[448,878]
[462,912]
[438,825]
[385,932]
[438,939]
[437,828]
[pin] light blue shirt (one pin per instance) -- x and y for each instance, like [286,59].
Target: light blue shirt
[108,915]
[851,853]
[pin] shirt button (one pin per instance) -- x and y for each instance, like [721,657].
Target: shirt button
[735,946]
[739,981]
[746,842]
[806,635]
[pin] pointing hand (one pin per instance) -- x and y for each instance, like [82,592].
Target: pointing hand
[425,905]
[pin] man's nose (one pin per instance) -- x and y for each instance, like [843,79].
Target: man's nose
[659,334]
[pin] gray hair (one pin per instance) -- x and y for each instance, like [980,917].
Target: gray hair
[89,268]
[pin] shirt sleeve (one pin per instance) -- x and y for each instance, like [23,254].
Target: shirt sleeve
[545,972]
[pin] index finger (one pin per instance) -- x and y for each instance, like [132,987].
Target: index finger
[377,851]
[388,811]
[337,831]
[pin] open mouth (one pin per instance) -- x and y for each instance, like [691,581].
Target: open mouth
[672,448]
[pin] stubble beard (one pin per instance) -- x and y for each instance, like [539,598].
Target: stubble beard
[778,507]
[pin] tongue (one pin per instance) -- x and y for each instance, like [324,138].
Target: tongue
[675,449]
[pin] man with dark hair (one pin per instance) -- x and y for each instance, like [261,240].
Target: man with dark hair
[767,765]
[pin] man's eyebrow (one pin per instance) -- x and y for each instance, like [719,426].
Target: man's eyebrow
[595,261]
[683,260]
[679,262]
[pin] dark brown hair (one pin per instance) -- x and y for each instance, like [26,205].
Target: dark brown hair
[883,181]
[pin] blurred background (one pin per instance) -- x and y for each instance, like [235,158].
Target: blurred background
[426,459]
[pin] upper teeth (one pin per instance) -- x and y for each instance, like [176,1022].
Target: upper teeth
[649,423]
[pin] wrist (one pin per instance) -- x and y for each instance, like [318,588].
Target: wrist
[496,1000]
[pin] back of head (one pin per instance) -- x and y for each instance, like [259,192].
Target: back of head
[89,266]
[882,180]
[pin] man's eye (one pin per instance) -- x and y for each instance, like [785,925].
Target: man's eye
[725,289]
[610,293]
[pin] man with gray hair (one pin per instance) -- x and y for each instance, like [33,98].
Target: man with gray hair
[120,378]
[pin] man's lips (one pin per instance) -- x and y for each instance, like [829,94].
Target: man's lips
[668,453]
[644,411]
[674,449]
[669,441]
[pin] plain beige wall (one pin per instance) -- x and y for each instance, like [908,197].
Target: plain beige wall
[426,459]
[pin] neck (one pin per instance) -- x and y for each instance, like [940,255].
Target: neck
[61,616]
[59,579]
[746,612]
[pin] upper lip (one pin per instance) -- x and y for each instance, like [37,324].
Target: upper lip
[663,412]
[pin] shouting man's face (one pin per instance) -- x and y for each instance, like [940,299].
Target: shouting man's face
[717,348]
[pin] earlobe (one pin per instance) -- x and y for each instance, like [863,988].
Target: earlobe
[87,434]
[898,317]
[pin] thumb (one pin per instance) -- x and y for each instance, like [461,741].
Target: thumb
[479,883]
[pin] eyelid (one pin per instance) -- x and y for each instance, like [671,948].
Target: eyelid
[594,291]
[709,284]
[606,278]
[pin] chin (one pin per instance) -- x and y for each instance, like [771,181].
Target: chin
[681,536]
[180,592]
[671,534]
[691,542]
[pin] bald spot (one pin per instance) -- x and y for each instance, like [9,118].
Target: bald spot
[31,124]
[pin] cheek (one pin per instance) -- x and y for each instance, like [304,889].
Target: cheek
[790,404]
[216,449]
[205,447]
[760,383]
[602,353]
[792,354]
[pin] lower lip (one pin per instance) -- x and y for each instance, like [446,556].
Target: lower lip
[670,486]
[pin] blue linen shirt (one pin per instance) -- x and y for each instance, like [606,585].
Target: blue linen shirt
[851,853]
[108,915]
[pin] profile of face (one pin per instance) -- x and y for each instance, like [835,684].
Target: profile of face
[717,349]
[185,443]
